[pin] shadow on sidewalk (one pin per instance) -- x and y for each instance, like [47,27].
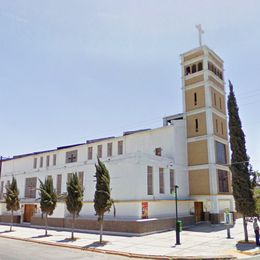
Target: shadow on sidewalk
[95,245]
[41,236]
[206,227]
[246,247]
[6,231]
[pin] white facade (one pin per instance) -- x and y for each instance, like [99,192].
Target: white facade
[128,172]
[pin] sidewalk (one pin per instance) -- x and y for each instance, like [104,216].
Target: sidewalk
[204,240]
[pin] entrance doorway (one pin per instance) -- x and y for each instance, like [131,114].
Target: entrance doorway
[198,206]
[29,209]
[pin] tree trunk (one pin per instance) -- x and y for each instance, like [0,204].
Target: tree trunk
[12,219]
[46,216]
[72,227]
[101,227]
[245,228]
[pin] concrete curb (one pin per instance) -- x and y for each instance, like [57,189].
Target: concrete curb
[120,253]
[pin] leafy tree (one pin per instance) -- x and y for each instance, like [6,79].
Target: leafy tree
[243,178]
[12,199]
[48,199]
[102,200]
[74,199]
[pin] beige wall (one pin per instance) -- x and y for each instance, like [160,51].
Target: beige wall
[189,98]
[217,62]
[220,85]
[199,182]
[191,125]
[220,126]
[193,55]
[194,80]
[198,152]
[218,101]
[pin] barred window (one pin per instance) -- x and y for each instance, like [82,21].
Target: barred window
[223,181]
[47,161]
[109,149]
[41,162]
[99,151]
[30,187]
[161,180]
[149,180]
[34,163]
[71,156]
[81,178]
[120,147]
[90,153]
[54,159]
[1,190]
[171,181]
[58,186]
[158,151]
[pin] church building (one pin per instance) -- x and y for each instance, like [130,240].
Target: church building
[189,154]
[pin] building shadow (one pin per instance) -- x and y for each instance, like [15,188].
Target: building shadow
[41,236]
[6,231]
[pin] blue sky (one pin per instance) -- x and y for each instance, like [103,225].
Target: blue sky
[77,70]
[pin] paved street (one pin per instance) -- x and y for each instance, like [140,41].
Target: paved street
[20,250]
[203,240]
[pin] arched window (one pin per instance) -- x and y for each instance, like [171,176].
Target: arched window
[220,75]
[187,70]
[200,66]
[193,68]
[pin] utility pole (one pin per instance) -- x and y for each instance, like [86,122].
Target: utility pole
[177,224]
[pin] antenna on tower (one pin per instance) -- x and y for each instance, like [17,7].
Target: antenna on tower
[200,30]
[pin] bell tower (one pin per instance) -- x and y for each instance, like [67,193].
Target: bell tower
[207,137]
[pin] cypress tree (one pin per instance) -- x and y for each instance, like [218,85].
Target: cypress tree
[12,199]
[74,199]
[48,199]
[102,200]
[243,178]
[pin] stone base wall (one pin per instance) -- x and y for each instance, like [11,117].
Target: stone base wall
[126,226]
[7,219]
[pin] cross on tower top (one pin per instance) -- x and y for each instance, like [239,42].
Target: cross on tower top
[200,30]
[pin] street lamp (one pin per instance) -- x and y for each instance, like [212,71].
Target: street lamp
[177,224]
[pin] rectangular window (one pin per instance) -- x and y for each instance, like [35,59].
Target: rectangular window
[41,162]
[161,180]
[1,190]
[99,151]
[120,147]
[71,156]
[149,180]
[220,103]
[47,161]
[54,159]
[109,149]
[195,99]
[217,125]
[30,188]
[196,125]
[215,99]
[34,163]
[90,153]
[222,128]
[81,178]
[58,186]
[158,151]
[221,156]
[171,181]
[223,181]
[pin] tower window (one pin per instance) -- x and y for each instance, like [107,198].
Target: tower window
[223,181]
[215,100]
[217,125]
[193,68]
[196,125]
[187,70]
[221,156]
[222,128]
[220,103]
[200,66]
[195,99]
